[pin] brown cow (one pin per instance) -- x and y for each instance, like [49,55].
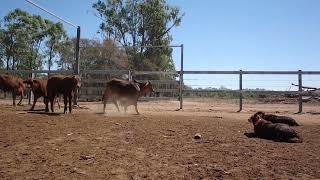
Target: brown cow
[127,93]
[65,85]
[275,131]
[39,89]
[277,119]
[12,84]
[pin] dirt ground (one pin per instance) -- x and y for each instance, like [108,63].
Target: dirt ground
[158,144]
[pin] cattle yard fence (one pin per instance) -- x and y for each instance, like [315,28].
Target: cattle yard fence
[94,81]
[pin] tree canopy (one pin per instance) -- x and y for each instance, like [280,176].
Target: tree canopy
[31,42]
[26,40]
[136,23]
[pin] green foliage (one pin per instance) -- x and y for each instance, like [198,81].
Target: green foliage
[27,39]
[95,55]
[140,23]
[56,37]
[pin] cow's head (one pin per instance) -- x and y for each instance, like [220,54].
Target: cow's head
[147,87]
[76,80]
[256,116]
[28,81]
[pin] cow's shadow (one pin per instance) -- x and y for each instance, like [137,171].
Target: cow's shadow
[44,113]
[250,134]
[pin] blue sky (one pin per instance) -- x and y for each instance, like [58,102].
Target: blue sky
[224,35]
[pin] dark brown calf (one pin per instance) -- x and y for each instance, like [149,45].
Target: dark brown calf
[125,92]
[39,89]
[277,119]
[65,85]
[12,84]
[275,131]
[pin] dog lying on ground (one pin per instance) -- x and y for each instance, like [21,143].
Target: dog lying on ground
[273,131]
[277,119]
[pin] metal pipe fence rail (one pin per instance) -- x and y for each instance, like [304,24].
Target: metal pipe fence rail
[299,74]
[179,74]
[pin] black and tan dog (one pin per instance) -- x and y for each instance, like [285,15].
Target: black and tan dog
[277,119]
[274,131]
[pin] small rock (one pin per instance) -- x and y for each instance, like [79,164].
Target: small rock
[86,157]
[78,171]
[197,136]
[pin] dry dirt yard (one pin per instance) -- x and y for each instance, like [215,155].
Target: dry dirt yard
[158,144]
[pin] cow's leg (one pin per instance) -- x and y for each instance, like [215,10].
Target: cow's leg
[57,100]
[70,103]
[14,98]
[22,95]
[34,102]
[46,102]
[104,99]
[125,109]
[52,102]
[136,107]
[65,100]
[116,104]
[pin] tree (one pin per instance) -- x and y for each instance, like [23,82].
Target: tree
[94,55]
[56,35]
[140,23]
[24,37]
[65,50]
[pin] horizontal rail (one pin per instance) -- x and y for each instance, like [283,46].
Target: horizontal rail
[104,71]
[102,81]
[154,73]
[164,72]
[38,71]
[157,46]
[253,72]
[103,88]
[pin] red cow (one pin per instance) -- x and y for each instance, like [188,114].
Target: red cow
[65,85]
[127,93]
[39,89]
[12,84]
[277,119]
[275,131]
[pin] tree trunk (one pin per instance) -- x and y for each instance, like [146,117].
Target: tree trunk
[8,60]
[13,62]
[49,60]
